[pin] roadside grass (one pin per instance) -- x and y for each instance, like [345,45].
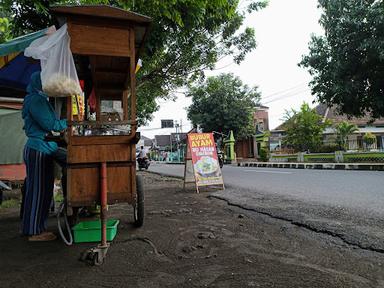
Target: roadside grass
[11,203]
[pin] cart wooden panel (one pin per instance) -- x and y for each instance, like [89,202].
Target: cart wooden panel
[94,40]
[111,39]
[85,185]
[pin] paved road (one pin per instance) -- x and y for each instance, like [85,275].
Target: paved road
[353,189]
[347,204]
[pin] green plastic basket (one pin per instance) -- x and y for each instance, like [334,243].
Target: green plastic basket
[90,231]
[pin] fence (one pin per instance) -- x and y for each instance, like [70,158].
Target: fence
[337,157]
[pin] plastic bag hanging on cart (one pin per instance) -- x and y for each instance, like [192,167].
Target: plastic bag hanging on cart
[58,71]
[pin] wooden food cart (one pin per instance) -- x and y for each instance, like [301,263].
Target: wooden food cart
[101,154]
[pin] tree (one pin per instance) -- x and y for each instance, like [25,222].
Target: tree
[223,103]
[304,129]
[369,139]
[5,29]
[186,38]
[5,26]
[343,130]
[347,64]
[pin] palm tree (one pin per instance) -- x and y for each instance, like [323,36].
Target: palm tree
[343,130]
[369,139]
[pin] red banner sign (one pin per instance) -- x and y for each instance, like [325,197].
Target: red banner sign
[204,159]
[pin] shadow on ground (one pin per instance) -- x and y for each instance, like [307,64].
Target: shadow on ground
[190,240]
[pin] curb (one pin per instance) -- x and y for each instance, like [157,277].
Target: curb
[165,174]
[326,166]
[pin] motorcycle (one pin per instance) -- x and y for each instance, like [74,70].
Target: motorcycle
[220,156]
[143,163]
[3,186]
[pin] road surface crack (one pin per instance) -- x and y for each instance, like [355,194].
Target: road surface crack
[303,225]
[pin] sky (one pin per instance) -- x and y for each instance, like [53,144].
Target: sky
[283,31]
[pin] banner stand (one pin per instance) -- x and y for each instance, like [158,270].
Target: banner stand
[201,162]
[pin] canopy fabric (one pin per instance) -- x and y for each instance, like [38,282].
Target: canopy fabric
[12,136]
[17,73]
[15,68]
[20,43]
[4,60]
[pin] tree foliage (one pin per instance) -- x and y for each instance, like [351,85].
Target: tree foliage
[223,103]
[369,139]
[304,129]
[187,37]
[5,29]
[343,130]
[347,64]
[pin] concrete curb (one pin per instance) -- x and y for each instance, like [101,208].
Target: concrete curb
[329,166]
[165,174]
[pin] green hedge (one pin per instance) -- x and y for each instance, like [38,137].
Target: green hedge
[370,157]
[374,157]
[329,157]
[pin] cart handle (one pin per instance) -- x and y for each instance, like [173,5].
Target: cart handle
[99,123]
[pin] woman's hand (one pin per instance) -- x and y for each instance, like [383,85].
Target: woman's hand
[65,136]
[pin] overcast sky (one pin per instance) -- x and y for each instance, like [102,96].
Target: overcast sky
[283,31]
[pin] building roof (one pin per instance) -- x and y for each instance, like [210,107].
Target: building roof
[146,141]
[331,113]
[162,140]
[363,130]
[181,137]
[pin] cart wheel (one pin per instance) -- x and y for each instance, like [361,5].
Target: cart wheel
[91,257]
[138,206]
[97,261]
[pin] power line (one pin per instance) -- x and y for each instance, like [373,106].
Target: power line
[284,91]
[151,129]
[223,67]
[288,95]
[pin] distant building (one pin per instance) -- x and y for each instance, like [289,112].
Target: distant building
[179,137]
[251,146]
[146,142]
[162,142]
[276,139]
[167,123]
[364,125]
[355,141]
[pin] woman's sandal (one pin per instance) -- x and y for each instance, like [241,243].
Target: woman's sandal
[45,236]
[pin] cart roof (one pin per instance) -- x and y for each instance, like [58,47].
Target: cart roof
[103,11]
[138,21]
[110,71]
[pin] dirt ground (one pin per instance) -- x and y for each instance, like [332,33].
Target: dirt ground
[193,241]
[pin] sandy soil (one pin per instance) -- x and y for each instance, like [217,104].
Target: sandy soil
[190,240]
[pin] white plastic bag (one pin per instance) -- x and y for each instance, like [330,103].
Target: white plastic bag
[58,71]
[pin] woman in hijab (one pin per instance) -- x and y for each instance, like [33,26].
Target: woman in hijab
[39,119]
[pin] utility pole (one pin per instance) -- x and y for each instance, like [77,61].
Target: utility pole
[177,126]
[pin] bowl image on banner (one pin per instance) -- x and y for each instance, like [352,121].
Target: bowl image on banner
[207,166]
